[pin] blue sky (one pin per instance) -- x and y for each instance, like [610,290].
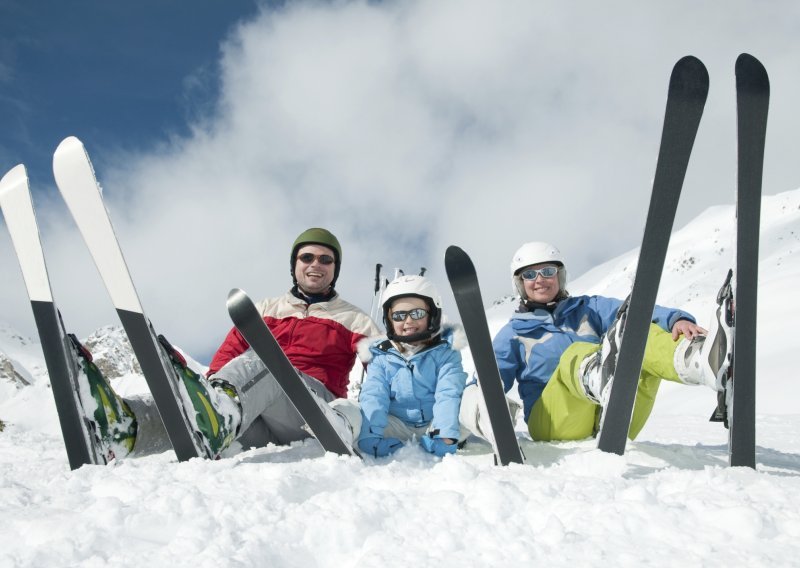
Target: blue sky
[124,75]
[224,130]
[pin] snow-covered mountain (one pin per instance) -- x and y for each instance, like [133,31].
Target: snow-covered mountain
[669,500]
[112,353]
[20,358]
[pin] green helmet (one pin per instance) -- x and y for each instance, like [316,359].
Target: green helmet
[317,236]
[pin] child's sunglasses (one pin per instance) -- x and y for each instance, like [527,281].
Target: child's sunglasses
[416,314]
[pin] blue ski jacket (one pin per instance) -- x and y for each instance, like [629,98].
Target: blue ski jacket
[423,390]
[528,348]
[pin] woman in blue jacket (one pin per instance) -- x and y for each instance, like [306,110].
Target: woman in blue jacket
[414,380]
[552,348]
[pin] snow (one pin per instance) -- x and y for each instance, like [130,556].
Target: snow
[669,500]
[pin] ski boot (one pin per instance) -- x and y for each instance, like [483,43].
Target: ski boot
[707,360]
[213,408]
[111,421]
[596,372]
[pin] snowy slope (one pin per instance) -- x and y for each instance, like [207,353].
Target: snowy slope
[670,500]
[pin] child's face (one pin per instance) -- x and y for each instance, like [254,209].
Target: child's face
[409,325]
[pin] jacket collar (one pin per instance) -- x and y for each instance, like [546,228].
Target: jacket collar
[452,334]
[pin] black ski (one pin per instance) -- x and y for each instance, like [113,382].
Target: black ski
[316,412]
[466,290]
[688,90]
[752,104]
[62,353]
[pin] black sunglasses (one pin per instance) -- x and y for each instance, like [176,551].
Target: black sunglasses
[416,314]
[308,258]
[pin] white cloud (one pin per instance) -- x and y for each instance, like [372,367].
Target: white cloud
[405,127]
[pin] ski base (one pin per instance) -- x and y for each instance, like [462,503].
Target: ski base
[78,185]
[62,361]
[688,90]
[752,104]
[466,290]
[249,322]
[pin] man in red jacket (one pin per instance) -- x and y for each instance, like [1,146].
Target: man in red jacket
[315,327]
[240,400]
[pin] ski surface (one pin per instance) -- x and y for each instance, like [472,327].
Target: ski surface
[59,351]
[466,290]
[752,105]
[688,90]
[78,185]
[249,322]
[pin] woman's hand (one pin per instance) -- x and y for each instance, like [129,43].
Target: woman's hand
[688,329]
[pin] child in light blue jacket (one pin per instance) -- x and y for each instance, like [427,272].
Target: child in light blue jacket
[415,379]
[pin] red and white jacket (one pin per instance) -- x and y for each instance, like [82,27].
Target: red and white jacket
[320,339]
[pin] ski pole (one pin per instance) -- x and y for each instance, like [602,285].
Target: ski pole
[372,309]
[378,277]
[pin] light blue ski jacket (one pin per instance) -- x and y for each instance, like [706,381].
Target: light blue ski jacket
[529,346]
[423,390]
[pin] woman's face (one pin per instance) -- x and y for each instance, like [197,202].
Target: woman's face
[409,325]
[541,290]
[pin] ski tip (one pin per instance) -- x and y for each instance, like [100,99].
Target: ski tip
[751,74]
[15,176]
[691,74]
[455,256]
[453,252]
[68,144]
[457,264]
[235,296]
[63,159]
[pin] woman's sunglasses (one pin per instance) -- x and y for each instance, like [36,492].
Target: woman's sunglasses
[532,273]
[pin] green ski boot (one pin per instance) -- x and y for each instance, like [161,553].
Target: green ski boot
[111,419]
[214,409]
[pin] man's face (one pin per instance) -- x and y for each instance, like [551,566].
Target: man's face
[314,277]
[541,290]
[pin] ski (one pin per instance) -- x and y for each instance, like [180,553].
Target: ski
[62,353]
[688,90]
[78,185]
[466,290]
[319,416]
[752,105]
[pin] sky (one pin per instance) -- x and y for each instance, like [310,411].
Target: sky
[125,79]
[403,127]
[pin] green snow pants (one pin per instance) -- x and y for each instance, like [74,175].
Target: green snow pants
[564,413]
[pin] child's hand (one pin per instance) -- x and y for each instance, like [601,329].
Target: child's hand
[380,447]
[438,446]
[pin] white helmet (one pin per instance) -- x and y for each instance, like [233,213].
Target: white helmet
[537,253]
[416,287]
